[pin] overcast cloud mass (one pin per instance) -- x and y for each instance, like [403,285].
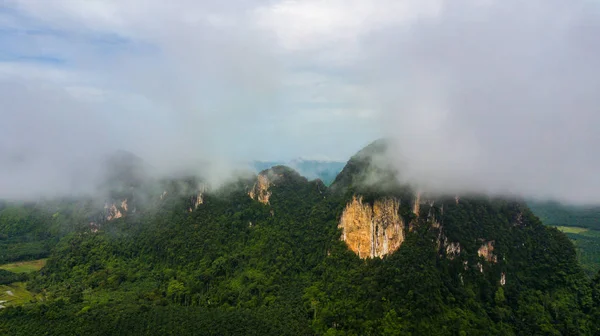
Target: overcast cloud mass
[493,96]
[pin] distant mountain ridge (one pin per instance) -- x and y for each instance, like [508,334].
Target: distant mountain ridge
[324,170]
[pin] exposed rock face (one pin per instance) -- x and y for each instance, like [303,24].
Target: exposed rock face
[417,205]
[487,252]
[372,230]
[260,190]
[94,227]
[113,212]
[452,249]
[198,199]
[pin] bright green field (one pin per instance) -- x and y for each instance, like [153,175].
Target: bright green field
[24,266]
[572,229]
[587,243]
[14,294]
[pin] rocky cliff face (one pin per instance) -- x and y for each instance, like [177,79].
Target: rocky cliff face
[487,252]
[198,198]
[372,230]
[113,211]
[260,190]
[453,249]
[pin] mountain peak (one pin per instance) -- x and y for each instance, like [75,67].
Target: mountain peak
[368,169]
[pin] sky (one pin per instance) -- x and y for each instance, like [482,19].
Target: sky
[493,96]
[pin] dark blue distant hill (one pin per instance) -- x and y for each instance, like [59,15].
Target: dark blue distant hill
[326,171]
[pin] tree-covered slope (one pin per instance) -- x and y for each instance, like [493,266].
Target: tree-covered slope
[275,254]
[580,223]
[557,214]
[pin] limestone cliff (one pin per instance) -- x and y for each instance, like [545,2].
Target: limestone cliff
[260,190]
[198,198]
[372,230]
[114,212]
[453,249]
[487,252]
[417,205]
[418,202]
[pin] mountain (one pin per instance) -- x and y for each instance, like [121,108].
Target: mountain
[280,254]
[326,171]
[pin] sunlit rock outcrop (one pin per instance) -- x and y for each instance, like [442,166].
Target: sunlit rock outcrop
[197,200]
[487,252]
[112,212]
[417,205]
[452,249]
[260,190]
[372,230]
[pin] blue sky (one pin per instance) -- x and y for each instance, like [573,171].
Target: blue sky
[488,96]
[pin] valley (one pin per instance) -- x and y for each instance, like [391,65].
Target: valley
[587,244]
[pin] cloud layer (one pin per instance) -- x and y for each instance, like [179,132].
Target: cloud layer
[497,97]
[494,96]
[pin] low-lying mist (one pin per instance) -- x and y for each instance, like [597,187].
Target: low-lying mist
[499,97]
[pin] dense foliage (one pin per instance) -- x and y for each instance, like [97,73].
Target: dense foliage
[557,214]
[235,266]
[24,233]
[582,226]
[7,277]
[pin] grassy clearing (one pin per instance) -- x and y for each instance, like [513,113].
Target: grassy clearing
[572,229]
[25,266]
[14,294]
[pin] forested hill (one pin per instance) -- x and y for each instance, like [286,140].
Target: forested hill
[557,214]
[326,171]
[277,254]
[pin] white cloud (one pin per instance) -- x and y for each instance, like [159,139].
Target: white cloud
[36,72]
[314,24]
[494,95]
[497,98]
